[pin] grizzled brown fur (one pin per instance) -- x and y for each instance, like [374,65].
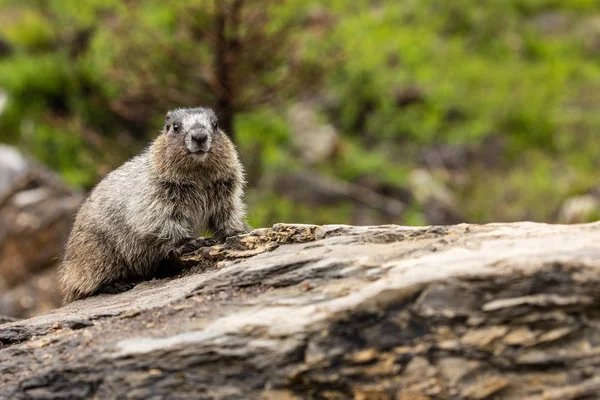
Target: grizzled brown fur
[154,206]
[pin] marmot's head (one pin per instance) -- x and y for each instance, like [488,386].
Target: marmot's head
[193,132]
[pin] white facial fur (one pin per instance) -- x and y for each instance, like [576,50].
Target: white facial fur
[194,124]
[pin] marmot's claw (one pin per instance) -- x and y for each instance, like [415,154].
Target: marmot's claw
[194,244]
[206,242]
[116,287]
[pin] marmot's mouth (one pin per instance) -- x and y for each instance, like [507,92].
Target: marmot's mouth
[199,155]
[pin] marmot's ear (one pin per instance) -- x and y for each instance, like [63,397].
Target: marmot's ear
[168,116]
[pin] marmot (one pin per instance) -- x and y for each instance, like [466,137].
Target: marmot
[153,207]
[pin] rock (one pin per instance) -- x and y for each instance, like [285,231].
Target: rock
[315,141]
[460,158]
[12,164]
[578,209]
[5,319]
[437,200]
[313,188]
[448,157]
[36,209]
[37,294]
[503,311]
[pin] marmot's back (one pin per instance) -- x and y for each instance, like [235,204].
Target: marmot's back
[153,207]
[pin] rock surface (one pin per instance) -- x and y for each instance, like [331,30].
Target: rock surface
[36,210]
[502,311]
[315,141]
[580,209]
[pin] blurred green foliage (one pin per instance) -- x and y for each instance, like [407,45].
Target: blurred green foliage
[89,82]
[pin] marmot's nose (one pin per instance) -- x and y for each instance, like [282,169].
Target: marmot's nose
[199,136]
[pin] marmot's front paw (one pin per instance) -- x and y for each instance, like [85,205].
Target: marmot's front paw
[192,245]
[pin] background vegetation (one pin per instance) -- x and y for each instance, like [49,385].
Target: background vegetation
[462,110]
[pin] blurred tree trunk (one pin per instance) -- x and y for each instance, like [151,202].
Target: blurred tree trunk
[227,22]
[224,107]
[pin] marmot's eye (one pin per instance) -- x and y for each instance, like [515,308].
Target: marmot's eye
[167,126]
[175,127]
[214,125]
